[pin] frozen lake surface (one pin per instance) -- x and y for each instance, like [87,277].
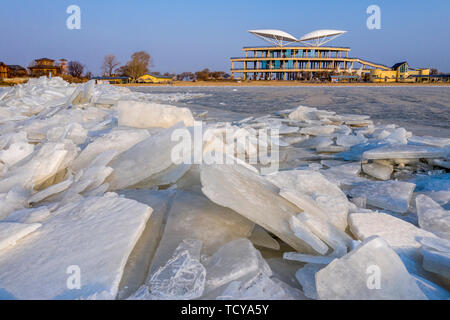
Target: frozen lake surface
[283,206]
[422,110]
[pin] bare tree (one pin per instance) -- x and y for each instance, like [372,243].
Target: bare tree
[109,64]
[122,71]
[139,64]
[75,69]
[202,75]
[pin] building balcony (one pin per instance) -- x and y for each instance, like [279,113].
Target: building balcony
[315,58]
[240,70]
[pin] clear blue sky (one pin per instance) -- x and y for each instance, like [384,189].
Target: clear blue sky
[188,35]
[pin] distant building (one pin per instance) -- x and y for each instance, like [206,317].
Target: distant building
[16,71]
[153,78]
[62,63]
[289,58]
[12,71]
[400,72]
[43,67]
[3,70]
[111,80]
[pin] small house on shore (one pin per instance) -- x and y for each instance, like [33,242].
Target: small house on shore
[44,67]
[16,71]
[154,78]
[12,71]
[3,70]
[111,80]
[400,72]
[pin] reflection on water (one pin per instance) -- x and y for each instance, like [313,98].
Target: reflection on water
[423,110]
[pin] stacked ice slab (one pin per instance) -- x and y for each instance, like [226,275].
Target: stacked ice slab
[93,204]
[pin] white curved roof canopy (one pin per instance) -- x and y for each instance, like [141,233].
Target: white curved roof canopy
[315,38]
[274,36]
[320,37]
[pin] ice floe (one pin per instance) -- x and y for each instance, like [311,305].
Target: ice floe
[93,204]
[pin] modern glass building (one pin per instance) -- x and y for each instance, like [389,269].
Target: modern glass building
[298,59]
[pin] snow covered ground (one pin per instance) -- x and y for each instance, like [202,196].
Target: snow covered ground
[98,201]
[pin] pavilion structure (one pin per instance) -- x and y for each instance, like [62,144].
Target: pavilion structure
[44,67]
[306,58]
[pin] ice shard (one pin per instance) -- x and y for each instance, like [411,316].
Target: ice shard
[378,170]
[193,216]
[146,115]
[400,235]
[404,152]
[11,232]
[372,271]
[432,217]
[93,237]
[389,195]
[255,198]
[313,193]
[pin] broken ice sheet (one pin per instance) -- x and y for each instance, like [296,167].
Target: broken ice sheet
[144,160]
[166,177]
[254,197]
[331,149]
[349,140]
[434,182]
[378,170]
[308,258]
[193,216]
[432,217]
[138,264]
[432,141]
[304,113]
[313,193]
[431,289]
[45,117]
[11,232]
[52,190]
[390,195]
[146,115]
[404,152]
[95,234]
[235,260]
[13,200]
[437,262]
[341,177]
[118,140]
[302,231]
[316,142]
[372,271]
[260,287]
[436,257]
[28,215]
[337,239]
[400,235]
[319,130]
[262,238]
[284,270]
[16,152]
[306,276]
[44,164]
[181,278]
[398,137]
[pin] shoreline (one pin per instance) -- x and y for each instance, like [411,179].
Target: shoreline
[273,84]
[279,84]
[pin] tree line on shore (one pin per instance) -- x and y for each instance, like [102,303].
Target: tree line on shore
[141,63]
